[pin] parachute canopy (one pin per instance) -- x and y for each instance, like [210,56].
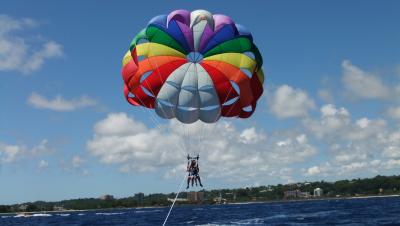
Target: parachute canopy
[193,66]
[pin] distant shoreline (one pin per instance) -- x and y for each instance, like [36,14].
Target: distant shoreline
[231,203]
[312,199]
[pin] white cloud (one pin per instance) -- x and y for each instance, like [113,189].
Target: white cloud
[314,170]
[49,50]
[332,121]
[250,135]
[10,153]
[43,164]
[225,151]
[355,147]
[77,161]
[325,95]
[362,84]
[74,164]
[20,53]
[13,152]
[333,169]
[59,103]
[394,112]
[287,102]
[392,164]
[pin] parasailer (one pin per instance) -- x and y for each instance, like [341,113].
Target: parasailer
[193,169]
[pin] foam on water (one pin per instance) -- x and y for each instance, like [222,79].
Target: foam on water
[110,213]
[147,211]
[41,215]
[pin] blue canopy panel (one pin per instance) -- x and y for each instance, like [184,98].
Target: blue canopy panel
[227,32]
[172,29]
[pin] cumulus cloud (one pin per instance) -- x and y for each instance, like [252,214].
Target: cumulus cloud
[362,84]
[354,146]
[250,135]
[287,102]
[351,169]
[313,170]
[13,152]
[226,151]
[59,103]
[332,121]
[20,53]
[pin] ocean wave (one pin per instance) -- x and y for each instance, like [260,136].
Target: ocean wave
[63,214]
[213,224]
[41,215]
[252,221]
[147,211]
[109,214]
[198,209]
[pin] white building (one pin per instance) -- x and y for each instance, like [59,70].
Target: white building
[318,192]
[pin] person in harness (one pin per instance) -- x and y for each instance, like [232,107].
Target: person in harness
[193,169]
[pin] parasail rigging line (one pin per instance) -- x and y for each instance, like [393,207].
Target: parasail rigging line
[176,197]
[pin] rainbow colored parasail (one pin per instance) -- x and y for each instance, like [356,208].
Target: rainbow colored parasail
[194,66]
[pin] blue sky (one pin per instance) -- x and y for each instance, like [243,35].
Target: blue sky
[330,108]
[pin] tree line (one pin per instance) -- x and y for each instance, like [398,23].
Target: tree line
[379,185]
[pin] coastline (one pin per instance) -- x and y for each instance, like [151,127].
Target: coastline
[231,203]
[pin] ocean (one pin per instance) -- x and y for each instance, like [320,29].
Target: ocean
[362,211]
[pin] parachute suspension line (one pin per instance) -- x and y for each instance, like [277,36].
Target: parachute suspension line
[203,131]
[181,144]
[152,114]
[176,197]
[156,122]
[146,110]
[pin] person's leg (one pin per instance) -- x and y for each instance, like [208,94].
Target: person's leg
[198,178]
[188,181]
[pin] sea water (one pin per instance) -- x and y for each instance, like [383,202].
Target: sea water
[366,211]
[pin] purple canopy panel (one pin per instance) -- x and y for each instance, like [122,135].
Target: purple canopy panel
[207,34]
[220,20]
[187,32]
[180,15]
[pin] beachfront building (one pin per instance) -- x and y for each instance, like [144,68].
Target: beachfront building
[58,208]
[106,197]
[290,194]
[296,194]
[318,192]
[22,207]
[139,195]
[177,199]
[194,196]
